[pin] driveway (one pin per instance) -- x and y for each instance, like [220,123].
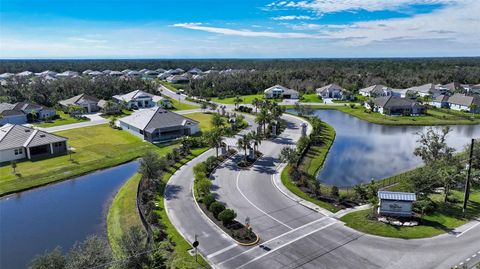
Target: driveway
[95,119]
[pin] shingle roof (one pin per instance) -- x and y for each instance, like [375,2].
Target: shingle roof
[376,89]
[276,87]
[426,88]
[330,87]
[393,101]
[397,196]
[16,136]
[464,100]
[151,119]
[6,106]
[441,98]
[74,100]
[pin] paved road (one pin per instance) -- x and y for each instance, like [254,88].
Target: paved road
[297,236]
[96,121]
[179,97]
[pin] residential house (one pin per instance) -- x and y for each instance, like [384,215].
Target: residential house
[460,101]
[134,74]
[67,74]
[441,101]
[424,90]
[376,91]
[151,73]
[115,73]
[393,105]
[195,71]
[177,79]
[135,99]
[89,104]
[333,91]
[158,124]
[46,73]
[19,113]
[20,142]
[25,74]
[279,91]
[109,107]
[162,102]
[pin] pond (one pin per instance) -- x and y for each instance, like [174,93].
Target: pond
[60,214]
[364,150]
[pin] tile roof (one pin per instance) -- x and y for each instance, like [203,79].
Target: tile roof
[155,118]
[397,196]
[376,89]
[330,87]
[16,136]
[74,100]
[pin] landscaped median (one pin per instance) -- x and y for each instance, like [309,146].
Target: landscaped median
[433,116]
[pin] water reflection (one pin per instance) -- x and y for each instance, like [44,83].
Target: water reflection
[363,150]
[59,214]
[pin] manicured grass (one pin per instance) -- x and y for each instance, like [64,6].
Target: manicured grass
[203,118]
[177,105]
[96,147]
[429,119]
[246,99]
[125,112]
[311,98]
[64,119]
[445,218]
[171,86]
[123,212]
[311,164]
[181,258]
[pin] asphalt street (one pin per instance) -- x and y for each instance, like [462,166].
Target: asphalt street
[293,236]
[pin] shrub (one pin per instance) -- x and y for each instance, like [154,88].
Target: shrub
[216,208]
[208,200]
[335,192]
[199,168]
[203,186]
[227,215]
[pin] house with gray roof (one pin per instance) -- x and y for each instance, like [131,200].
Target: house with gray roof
[376,91]
[441,101]
[19,142]
[460,101]
[333,91]
[178,79]
[88,103]
[158,124]
[135,99]
[393,105]
[424,90]
[19,113]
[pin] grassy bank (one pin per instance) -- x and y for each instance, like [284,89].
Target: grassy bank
[123,212]
[203,118]
[96,147]
[64,119]
[444,219]
[181,258]
[311,98]
[177,105]
[311,164]
[433,116]
[246,99]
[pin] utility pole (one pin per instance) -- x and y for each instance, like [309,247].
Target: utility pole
[466,195]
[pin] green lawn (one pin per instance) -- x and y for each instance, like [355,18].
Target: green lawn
[181,258]
[177,105]
[96,147]
[446,218]
[311,98]
[433,117]
[203,118]
[173,87]
[246,99]
[311,164]
[64,119]
[123,212]
[125,112]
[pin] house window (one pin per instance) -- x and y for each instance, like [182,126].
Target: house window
[18,151]
[141,132]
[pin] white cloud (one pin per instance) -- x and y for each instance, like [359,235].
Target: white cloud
[292,17]
[330,6]
[246,32]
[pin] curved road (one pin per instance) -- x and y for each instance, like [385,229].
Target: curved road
[294,235]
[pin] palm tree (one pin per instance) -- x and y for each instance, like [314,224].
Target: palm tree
[256,102]
[244,142]
[217,121]
[263,118]
[256,138]
[214,139]
[237,100]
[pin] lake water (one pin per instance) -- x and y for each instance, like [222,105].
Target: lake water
[364,150]
[34,221]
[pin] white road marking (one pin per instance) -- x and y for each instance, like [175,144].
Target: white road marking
[275,238]
[468,229]
[474,255]
[467,260]
[221,251]
[286,244]
[238,188]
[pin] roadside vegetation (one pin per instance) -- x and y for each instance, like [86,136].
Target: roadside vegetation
[244,99]
[177,105]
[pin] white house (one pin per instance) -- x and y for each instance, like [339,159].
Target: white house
[397,204]
[161,101]
[333,91]
[178,79]
[460,101]
[20,142]
[88,103]
[158,124]
[279,91]
[441,101]
[376,91]
[135,99]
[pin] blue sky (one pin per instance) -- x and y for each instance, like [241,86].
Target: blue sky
[238,29]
